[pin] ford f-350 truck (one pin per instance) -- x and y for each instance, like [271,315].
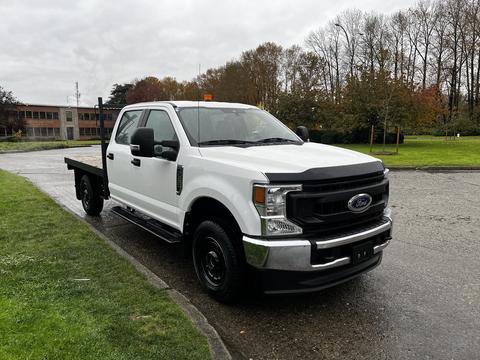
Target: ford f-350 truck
[248,196]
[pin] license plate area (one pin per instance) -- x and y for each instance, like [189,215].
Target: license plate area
[362,252]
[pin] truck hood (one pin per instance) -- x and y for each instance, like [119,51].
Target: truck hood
[285,158]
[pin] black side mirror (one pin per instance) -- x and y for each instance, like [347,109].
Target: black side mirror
[171,152]
[302,133]
[175,144]
[142,142]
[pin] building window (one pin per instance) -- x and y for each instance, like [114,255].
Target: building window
[69,115]
[35,114]
[86,116]
[55,115]
[43,131]
[82,131]
[80,116]
[28,114]
[49,115]
[50,131]
[30,132]
[57,132]
[42,115]
[109,117]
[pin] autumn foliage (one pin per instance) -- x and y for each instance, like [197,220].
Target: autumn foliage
[418,69]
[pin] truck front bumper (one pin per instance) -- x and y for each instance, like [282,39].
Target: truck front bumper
[302,255]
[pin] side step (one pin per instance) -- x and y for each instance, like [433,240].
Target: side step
[155,227]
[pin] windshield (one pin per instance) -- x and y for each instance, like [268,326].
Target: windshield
[228,126]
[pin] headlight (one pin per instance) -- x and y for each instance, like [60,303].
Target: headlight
[387,193]
[270,201]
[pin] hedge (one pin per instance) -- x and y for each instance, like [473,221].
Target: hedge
[355,136]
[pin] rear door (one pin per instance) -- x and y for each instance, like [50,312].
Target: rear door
[121,178]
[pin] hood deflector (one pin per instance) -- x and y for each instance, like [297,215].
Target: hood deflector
[327,173]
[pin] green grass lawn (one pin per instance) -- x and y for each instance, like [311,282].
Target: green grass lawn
[422,151]
[6,146]
[65,294]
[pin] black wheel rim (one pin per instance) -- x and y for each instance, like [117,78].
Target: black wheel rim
[211,260]
[85,197]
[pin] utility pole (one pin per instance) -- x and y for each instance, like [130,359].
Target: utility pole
[77,93]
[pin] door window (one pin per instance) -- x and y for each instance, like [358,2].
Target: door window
[159,121]
[128,124]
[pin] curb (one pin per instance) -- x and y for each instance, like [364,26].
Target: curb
[218,350]
[217,347]
[434,168]
[35,150]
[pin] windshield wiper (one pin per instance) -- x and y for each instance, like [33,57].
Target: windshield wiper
[275,140]
[225,142]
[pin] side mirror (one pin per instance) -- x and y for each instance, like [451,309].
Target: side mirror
[171,152]
[174,144]
[142,143]
[302,133]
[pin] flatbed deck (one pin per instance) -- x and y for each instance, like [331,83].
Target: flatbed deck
[90,164]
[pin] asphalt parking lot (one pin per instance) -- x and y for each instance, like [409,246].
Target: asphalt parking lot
[422,302]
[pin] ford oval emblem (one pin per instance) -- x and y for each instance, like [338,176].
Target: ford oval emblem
[359,203]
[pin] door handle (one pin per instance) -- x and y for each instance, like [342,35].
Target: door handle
[136,162]
[110,156]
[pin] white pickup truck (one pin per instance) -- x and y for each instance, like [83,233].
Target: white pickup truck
[249,197]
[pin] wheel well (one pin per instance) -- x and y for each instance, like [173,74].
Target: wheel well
[94,180]
[206,208]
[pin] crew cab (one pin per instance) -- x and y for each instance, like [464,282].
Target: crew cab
[248,196]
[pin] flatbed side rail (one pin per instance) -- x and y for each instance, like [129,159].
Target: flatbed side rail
[89,169]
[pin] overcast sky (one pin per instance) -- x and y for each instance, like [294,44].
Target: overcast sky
[47,45]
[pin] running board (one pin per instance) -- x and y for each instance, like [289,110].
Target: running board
[155,227]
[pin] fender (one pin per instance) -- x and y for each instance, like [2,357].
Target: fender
[227,193]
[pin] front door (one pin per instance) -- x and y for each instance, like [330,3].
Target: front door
[69,133]
[157,194]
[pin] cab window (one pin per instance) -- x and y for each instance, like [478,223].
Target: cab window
[159,121]
[128,124]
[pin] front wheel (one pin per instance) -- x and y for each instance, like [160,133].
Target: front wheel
[91,201]
[218,260]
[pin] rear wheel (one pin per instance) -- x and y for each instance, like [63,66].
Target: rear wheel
[218,260]
[91,201]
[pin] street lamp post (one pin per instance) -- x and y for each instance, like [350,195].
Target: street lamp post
[349,47]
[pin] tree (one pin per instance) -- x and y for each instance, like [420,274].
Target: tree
[417,68]
[147,89]
[7,107]
[118,95]
[262,67]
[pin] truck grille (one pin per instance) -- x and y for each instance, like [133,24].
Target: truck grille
[321,207]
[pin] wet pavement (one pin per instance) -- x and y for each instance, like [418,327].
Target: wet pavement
[422,302]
